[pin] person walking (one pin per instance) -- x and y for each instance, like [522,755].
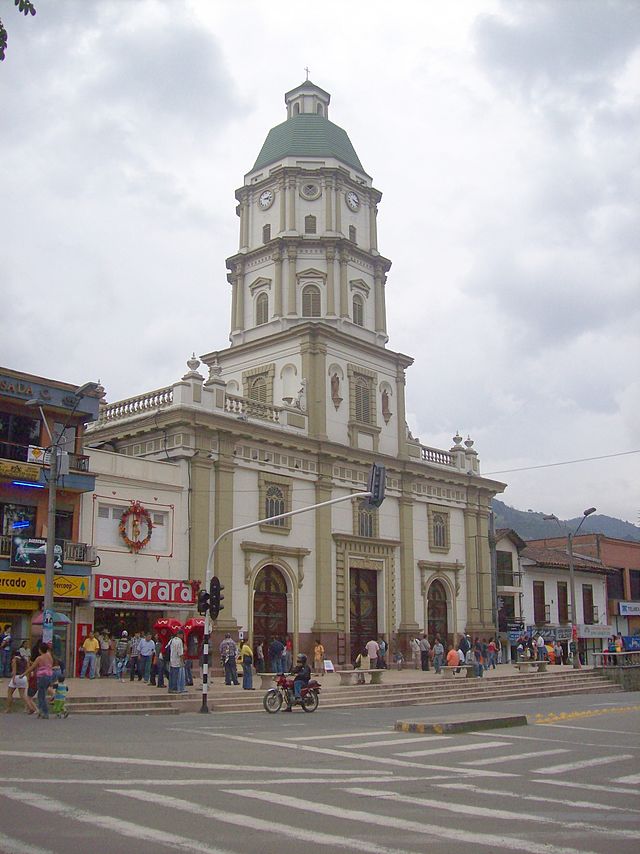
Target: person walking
[91,647]
[19,682]
[159,664]
[288,654]
[121,655]
[415,652]
[134,654]
[5,652]
[176,664]
[438,654]
[104,654]
[373,650]
[43,667]
[246,657]
[491,649]
[425,649]
[260,657]
[318,658]
[228,654]
[276,648]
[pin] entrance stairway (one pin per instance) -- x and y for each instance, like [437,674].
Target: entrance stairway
[458,690]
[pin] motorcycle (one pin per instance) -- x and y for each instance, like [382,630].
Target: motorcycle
[283,693]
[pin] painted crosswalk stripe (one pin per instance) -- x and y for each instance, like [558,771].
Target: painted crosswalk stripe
[448,749]
[357,777]
[585,763]
[423,828]
[494,760]
[9,845]
[399,740]
[592,787]
[631,779]
[248,822]
[492,812]
[544,799]
[112,824]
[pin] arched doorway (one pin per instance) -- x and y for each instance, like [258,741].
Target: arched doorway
[363,624]
[437,611]
[269,605]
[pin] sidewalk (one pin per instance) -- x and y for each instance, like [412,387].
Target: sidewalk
[110,687]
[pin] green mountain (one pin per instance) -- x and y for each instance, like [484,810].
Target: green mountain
[530,525]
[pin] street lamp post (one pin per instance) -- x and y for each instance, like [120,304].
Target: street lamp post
[572,579]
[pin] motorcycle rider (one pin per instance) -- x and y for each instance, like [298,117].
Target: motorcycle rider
[301,675]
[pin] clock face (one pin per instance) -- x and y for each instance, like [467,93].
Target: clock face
[352,200]
[266,199]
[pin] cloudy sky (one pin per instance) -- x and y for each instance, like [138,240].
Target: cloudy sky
[505,137]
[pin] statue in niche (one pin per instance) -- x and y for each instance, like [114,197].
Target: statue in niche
[386,412]
[301,401]
[335,390]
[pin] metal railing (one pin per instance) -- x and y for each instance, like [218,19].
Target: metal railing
[627,658]
[20,453]
[73,552]
[509,579]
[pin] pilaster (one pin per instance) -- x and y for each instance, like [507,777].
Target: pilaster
[324,620]
[223,499]
[344,293]
[277,283]
[408,593]
[291,280]
[331,295]
[314,369]
[328,195]
[403,451]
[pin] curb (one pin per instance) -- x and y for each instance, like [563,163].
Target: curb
[461,725]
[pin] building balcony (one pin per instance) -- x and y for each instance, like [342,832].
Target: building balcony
[542,615]
[30,465]
[509,579]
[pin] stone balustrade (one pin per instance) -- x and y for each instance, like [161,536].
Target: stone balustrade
[136,405]
[433,455]
[245,407]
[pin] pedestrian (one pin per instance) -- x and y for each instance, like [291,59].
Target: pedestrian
[228,654]
[484,646]
[134,654]
[246,657]
[438,654]
[415,652]
[288,654]
[91,647]
[146,652]
[104,654]
[558,653]
[358,664]
[260,657]
[60,699]
[112,656]
[43,667]
[453,660]
[381,663]
[491,649]
[542,649]
[318,658]
[276,648]
[19,682]
[425,649]
[477,657]
[176,664]
[5,652]
[399,659]
[498,643]
[373,650]
[157,672]
[122,655]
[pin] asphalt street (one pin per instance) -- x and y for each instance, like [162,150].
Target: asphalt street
[342,780]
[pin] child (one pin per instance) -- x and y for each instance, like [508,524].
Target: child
[59,699]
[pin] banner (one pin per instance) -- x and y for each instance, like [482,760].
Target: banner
[117,588]
[32,552]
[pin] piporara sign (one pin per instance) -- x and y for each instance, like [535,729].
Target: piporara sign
[158,590]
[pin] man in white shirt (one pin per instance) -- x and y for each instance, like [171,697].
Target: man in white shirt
[372,651]
[176,664]
[542,649]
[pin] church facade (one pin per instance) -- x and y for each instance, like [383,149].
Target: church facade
[295,410]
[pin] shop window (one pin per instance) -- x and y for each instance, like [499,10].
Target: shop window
[358,310]
[438,525]
[311,301]
[17,519]
[262,309]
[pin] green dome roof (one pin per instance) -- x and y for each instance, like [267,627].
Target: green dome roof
[307,135]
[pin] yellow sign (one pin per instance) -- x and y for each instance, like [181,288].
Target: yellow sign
[20,604]
[19,471]
[32,584]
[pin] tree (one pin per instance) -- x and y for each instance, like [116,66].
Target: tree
[24,6]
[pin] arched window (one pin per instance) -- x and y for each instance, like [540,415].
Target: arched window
[363,400]
[439,531]
[310,224]
[275,504]
[266,233]
[311,301]
[258,389]
[366,521]
[358,310]
[262,309]
[352,233]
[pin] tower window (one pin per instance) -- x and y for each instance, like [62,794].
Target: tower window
[352,233]
[319,110]
[262,309]
[310,224]
[358,310]
[266,233]
[258,389]
[363,400]
[296,109]
[311,301]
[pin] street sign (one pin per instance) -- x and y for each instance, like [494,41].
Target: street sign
[47,626]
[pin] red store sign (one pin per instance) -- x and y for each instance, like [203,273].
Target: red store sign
[117,588]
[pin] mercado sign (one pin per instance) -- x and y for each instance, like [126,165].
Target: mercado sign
[117,588]
[32,584]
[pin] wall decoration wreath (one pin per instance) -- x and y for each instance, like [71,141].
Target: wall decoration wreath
[140,516]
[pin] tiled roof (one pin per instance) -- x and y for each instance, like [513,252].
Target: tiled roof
[307,135]
[559,558]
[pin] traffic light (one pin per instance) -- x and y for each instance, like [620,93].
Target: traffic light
[215,589]
[203,602]
[377,478]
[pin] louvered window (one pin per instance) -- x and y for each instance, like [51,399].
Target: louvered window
[258,389]
[262,309]
[358,310]
[363,400]
[311,301]
[310,224]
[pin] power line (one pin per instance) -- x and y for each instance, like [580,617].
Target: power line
[563,463]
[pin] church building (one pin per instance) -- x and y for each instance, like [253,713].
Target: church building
[297,408]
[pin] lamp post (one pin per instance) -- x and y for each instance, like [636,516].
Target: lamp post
[54,471]
[572,578]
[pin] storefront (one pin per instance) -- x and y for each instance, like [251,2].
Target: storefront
[136,604]
[592,638]
[21,599]
[630,611]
